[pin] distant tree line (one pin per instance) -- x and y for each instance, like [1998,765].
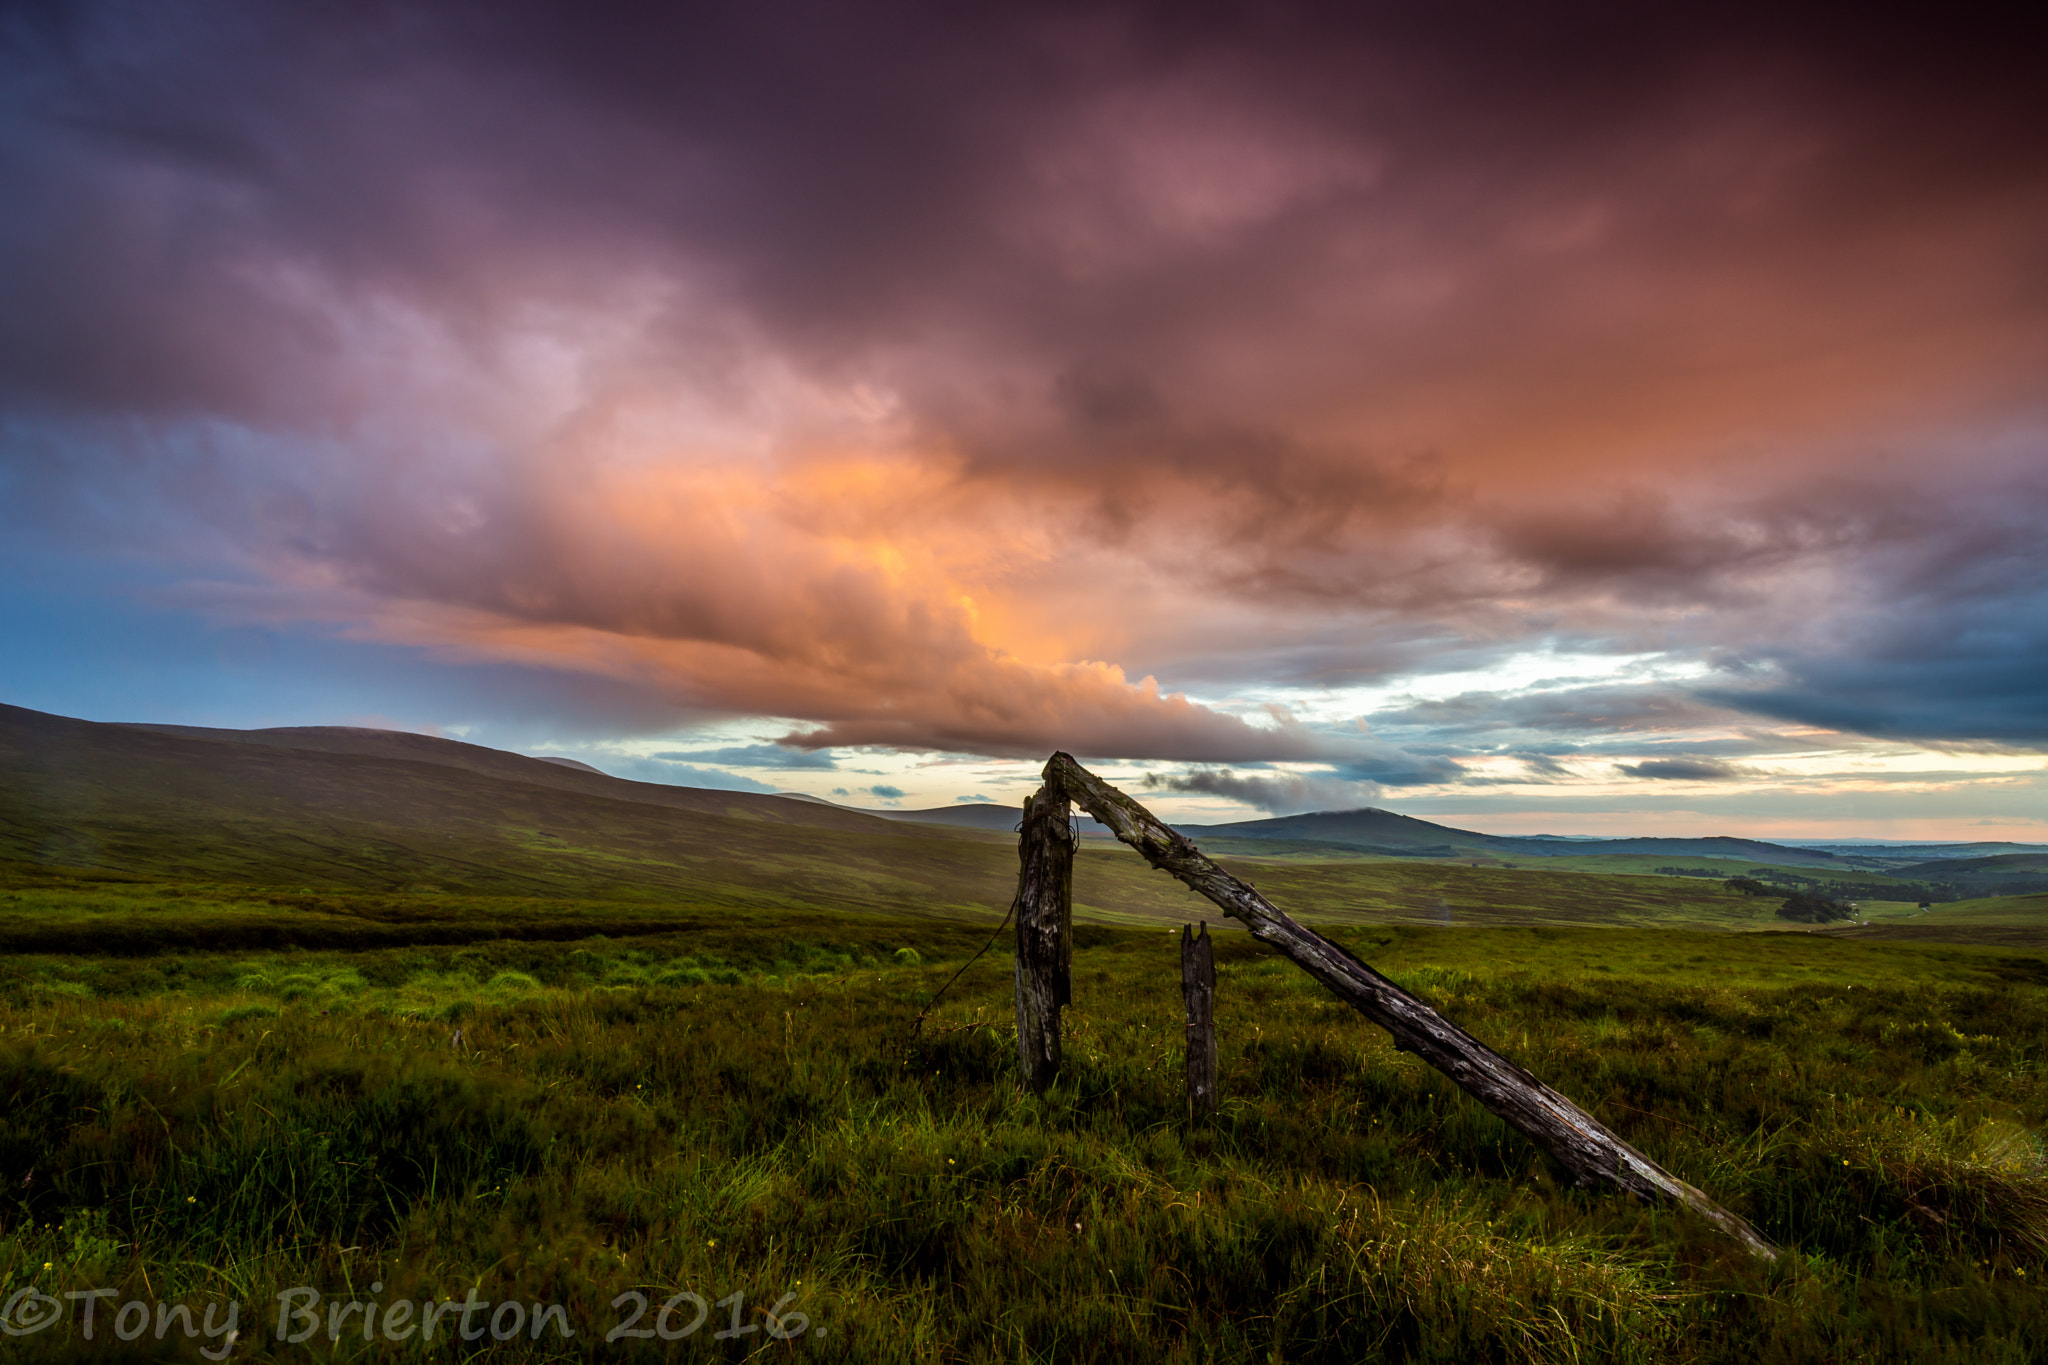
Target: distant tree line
[1773,881]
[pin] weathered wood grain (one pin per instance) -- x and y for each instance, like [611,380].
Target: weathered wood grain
[1045,881]
[1198,988]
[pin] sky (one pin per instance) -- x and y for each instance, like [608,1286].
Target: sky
[1545,418]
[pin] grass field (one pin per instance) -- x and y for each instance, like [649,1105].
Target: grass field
[61,910]
[209,1093]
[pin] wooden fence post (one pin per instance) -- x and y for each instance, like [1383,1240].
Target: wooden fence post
[1198,985]
[1580,1142]
[1045,909]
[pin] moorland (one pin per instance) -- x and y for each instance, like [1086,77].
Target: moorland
[397,1020]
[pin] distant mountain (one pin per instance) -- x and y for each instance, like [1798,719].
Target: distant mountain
[1371,829]
[570,763]
[1878,848]
[1384,832]
[2005,874]
[1720,846]
[1000,819]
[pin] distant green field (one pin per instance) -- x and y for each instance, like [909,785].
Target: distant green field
[1649,865]
[2014,920]
[43,910]
[2008,911]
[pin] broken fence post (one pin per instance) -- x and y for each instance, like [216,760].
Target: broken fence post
[1579,1142]
[1045,885]
[1198,985]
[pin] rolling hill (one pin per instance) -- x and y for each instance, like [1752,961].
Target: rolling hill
[402,828]
[76,745]
[2004,874]
[1375,831]
[1386,833]
[1383,833]
[995,819]
[374,833]
[384,811]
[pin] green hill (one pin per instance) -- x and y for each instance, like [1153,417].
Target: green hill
[1380,831]
[373,828]
[1386,833]
[378,811]
[2005,874]
[374,834]
[1719,846]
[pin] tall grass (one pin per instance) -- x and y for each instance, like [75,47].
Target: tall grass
[564,1123]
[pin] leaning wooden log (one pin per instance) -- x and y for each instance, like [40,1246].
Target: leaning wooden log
[1579,1142]
[1198,987]
[1045,882]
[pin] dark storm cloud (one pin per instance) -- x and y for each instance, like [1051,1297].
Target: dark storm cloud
[1958,698]
[1439,320]
[1957,649]
[848,171]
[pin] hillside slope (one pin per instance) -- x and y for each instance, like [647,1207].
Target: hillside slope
[559,774]
[1383,831]
[2004,874]
[986,816]
[422,820]
[1379,831]
[392,812]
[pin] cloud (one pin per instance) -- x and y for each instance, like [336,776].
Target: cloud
[1956,653]
[998,382]
[884,790]
[1684,769]
[1599,708]
[973,797]
[758,756]
[1385,765]
[1542,766]
[682,775]
[1280,794]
